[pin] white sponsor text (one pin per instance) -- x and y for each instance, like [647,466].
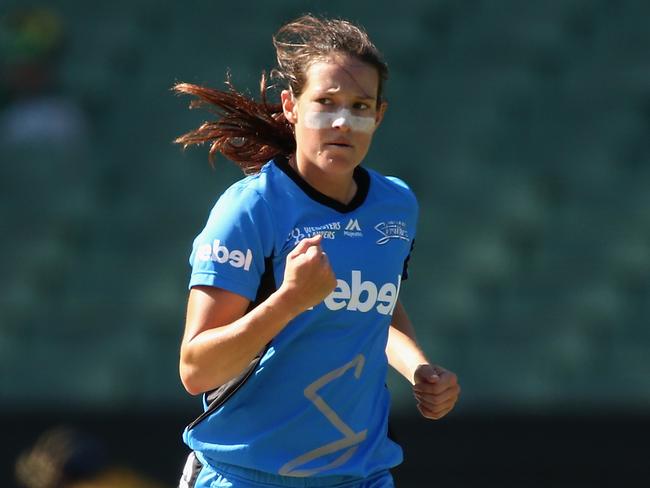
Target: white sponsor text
[363,296]
[221,254]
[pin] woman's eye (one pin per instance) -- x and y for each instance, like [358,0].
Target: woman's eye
[324,101]
[361,106]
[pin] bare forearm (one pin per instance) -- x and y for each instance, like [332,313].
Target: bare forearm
[435,389]
[217,355]
[403,352]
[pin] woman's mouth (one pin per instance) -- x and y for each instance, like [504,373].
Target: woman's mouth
[339,144]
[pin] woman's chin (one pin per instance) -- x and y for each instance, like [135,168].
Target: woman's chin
[337,161]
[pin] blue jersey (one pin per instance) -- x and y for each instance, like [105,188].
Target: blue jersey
[315,402]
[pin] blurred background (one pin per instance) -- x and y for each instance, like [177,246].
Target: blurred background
[522,126]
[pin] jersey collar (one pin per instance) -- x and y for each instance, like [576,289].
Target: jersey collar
[360,175]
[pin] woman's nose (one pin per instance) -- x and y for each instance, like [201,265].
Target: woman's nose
[342,121]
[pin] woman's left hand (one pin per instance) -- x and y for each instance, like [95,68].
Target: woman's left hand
[436,390]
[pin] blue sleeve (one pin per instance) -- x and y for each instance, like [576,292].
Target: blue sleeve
[229,252]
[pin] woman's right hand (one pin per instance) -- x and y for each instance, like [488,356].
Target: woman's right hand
[308,276]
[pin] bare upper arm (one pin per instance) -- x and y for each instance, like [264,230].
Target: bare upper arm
[209,307]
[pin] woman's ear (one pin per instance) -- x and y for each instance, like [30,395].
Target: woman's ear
[289,106]
[380,113]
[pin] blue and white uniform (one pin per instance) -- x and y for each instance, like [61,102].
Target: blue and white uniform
[314,404]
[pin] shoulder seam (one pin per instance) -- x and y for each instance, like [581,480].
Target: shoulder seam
[246,187]
[268,209]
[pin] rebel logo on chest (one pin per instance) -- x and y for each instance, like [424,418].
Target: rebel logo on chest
[363,296]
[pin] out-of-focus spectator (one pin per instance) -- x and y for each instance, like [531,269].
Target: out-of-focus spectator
[64,457]
[33,110]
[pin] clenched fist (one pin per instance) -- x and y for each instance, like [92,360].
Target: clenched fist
[308,276]
[436,390]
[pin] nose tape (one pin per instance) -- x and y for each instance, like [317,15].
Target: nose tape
[343,116]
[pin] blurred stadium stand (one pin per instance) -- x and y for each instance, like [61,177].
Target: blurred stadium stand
[524,129]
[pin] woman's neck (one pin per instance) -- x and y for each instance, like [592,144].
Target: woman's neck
[339,187]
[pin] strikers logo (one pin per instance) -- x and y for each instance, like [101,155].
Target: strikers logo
[392,229]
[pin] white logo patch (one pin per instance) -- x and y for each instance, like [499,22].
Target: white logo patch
[296,235]
[353,229]
[393,229]
[221,254]
[328,231]
[363,296]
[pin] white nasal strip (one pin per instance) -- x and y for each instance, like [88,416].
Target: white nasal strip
[343,116]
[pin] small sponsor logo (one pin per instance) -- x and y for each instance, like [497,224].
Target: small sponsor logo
[353,229]
[296,235]
[392,229]
[221,254]
[353,225]
[363,296]
[328,231]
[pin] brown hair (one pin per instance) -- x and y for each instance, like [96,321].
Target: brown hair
[251,133]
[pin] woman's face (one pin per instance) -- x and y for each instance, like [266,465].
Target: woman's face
[336,114]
